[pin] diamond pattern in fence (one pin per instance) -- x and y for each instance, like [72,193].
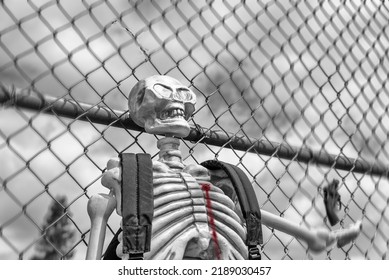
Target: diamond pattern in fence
[295,91]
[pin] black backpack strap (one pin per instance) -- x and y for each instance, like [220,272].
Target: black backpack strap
[137,203]
[248,203]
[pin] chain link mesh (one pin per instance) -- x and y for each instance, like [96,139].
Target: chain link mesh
[307,74]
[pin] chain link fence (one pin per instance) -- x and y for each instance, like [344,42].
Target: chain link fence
[293,92]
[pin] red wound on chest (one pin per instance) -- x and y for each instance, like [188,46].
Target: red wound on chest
[211,220]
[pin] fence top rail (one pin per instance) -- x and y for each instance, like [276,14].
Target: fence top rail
[29,99]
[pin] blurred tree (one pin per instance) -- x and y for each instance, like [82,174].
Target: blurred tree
[59,233]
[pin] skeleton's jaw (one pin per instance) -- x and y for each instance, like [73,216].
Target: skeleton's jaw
[171,113]
[171,126]
[169,120]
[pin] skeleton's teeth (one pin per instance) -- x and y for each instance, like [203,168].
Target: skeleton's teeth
[173,113]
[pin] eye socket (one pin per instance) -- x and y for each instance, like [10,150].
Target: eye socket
[185,94]
[164,91]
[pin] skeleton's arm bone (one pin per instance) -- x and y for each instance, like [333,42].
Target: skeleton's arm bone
[281,224]
[317,240]
[100,207]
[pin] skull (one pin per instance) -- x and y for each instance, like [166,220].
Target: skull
[162,105]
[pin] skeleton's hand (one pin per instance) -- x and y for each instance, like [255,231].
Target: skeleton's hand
[321,240]
[325,238]
[112,180]
[119,248]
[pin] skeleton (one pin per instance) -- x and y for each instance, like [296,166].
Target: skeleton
[183,207]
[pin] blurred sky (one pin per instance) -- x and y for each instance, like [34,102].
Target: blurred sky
[305,73]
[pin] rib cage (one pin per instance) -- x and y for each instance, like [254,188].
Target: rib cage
[181,219]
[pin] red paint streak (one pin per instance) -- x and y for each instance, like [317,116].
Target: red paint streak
[206,188]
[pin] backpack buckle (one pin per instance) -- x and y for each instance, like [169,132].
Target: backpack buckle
[254,253]
[135,256]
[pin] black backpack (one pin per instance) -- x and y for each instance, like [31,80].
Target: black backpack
[137,178]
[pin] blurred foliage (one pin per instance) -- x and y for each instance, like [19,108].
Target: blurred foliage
[58,233]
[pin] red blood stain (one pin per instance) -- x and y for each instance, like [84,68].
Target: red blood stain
[206,188]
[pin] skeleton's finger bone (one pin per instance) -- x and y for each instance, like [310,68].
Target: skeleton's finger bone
[119,252]
[110,177]
[116,173]
[120,237]
[347,235]
[119,248]
[100,207]
[113,162]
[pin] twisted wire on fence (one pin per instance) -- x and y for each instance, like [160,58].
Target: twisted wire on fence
[293,92]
